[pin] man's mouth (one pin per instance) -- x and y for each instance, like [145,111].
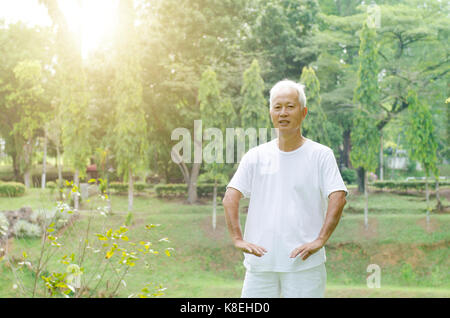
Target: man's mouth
[283,122]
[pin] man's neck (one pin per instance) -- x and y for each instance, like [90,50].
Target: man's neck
[290,141]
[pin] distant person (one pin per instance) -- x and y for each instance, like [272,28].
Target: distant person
[289,181]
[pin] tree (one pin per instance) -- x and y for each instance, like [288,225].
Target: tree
[421,140]
[26,99]
[283,33]
[19,43]
[216,113]
[74,97]
[254,111]
[202,34]
[130,127]
[316,126]
[365,137]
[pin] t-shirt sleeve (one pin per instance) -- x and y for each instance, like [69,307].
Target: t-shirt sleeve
[242,179]
[331,179]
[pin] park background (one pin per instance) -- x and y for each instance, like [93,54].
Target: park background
[92,203]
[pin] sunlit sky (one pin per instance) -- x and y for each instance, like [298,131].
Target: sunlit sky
[96,17]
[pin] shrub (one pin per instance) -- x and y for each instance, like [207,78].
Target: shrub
[24,228]
[51,185]
[207,189]
[405,185]
[171,190]
[4,225]
[349,176]
[11,189]
[44,217]
[118,186]
[140,186]
[180,189]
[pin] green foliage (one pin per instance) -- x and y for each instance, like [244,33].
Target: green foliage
[420,134]
[349,176]
[254,111]
[315,126]
[11,189]
[407,185]
[123,187]
[24,228]
[365,135]
[171,190]
[179,190]
[130,125]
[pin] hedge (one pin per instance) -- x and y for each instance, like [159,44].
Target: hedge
[405,185]
[123,187]
[11,189]
[180,189]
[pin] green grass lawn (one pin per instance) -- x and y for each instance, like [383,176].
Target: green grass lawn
[413,257]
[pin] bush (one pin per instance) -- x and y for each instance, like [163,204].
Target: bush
[51,185]
[180,189]
[405,185]
[171,190]
[118,186]
[44,217]
[207,189]
[4,225]
[24,228]
[11,189]
[349,176]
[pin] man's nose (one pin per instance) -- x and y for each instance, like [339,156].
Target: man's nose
[283,111]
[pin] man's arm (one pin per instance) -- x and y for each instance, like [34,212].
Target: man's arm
[231,206]
[336,203]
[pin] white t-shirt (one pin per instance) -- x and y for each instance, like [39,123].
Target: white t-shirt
[288,194]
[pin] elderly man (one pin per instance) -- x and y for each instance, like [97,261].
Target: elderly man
[296,200]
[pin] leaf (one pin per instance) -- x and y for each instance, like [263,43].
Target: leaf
[167,252]
[109,254]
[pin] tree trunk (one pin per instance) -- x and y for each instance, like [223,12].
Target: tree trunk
[76,181]
[16,169]
[381,156]
[427,195]
[60,180]
[361,182]
[27,156]
[214,205]
[44,162]
[192,186]
[130,190]
[366,205]
[346,150]
[26,177]
[438,198]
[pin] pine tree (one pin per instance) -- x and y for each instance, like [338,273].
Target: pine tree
[421,139]
[365,136]
[130,127]
[315,126]
[254,112]
[216,113]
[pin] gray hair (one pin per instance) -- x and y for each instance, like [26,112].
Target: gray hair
[288,83]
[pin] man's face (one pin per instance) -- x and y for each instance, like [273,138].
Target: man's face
[287,113]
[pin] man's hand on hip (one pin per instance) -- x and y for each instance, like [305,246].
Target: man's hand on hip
[250,248]
[306,250]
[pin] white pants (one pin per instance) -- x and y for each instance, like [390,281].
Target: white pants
[309,283]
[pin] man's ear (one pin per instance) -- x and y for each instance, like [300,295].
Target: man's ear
[305,111]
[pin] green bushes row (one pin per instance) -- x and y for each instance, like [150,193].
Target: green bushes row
[406,185]
[11,189]
[178,190]
[123,187]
